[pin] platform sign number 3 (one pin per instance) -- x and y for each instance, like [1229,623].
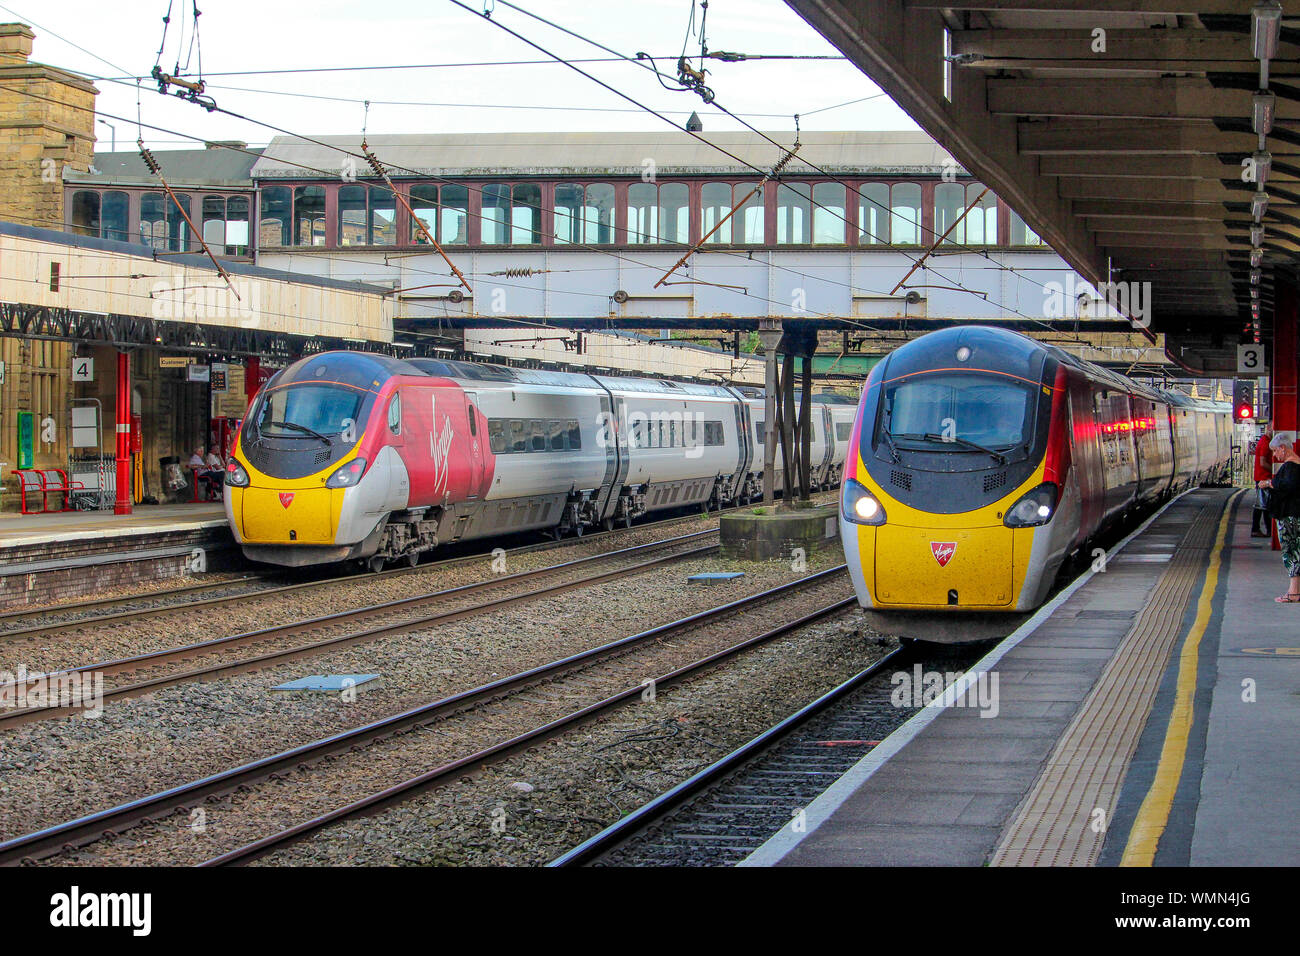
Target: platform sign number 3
[83,368]
[1250,360]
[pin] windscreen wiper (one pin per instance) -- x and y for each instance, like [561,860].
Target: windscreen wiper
[303,428]
[893,449]
[1000,458]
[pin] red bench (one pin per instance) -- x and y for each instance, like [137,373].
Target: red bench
[47,481]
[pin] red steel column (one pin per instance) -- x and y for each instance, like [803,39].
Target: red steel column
[123,504]
[252,378]
[1284,405]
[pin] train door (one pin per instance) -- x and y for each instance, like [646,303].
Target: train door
[399,482]
[476,438]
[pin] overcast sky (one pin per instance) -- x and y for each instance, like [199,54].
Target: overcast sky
[241,35]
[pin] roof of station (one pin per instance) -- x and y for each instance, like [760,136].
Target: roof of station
[213,166]
[607,154]
[1118,129]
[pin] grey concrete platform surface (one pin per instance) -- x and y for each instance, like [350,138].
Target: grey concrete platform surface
[953,788]
[21,529]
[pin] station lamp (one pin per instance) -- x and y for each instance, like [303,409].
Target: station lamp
[1263,165]
[1256,258]
[1263,104]
[1257,236]
[1265,28]
[1258,206]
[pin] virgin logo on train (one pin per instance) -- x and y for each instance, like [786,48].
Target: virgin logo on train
[943,551]
[286,499]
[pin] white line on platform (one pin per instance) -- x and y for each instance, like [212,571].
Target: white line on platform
[781,843]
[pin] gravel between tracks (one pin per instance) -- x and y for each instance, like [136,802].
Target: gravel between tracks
[55,770]
[81,646]
[530,808]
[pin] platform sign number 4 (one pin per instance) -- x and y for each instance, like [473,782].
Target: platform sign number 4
[83,368]
[1250,360]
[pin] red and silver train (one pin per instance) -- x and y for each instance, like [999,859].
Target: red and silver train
[981,460]
[358,456]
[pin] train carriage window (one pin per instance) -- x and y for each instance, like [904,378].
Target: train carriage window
[575,435]
[672,434]
[395,415]
[537,438]
[472,414]
[758,432]
[557,432]
[843,431]
[518,436]
[497,436]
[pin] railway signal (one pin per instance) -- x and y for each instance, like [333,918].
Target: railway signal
[1243,400]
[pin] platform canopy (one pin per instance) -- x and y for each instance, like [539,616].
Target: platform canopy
[1125,132]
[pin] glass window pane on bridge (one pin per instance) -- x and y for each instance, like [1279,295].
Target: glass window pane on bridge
[715,200]
[642,213]
[568,213]
[273,223]
[383,217]
[828,214]
[84,217]
[214,223]
[496,209]
[674,213]
[153,220]
[982,221]
[114,215]
[793,214]
[905,218]
[1020,233]
[424,207]
[873,214]
[237,226]
[309,214]
[598,215]
[751,227]
[526,215]
[352,216]
[949,201]
[178,230]
[453,220]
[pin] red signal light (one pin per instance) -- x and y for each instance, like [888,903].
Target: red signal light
[1245,411]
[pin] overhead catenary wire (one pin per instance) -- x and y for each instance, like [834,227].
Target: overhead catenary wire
[690,132]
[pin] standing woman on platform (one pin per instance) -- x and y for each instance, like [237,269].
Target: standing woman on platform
[1284,506]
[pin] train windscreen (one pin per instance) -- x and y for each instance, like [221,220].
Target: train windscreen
[967,411]
[319,411]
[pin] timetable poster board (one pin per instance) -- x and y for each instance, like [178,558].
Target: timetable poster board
[26,440]
[231,403]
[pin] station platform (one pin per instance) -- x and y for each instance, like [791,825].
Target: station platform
[63,556]
[1147,715]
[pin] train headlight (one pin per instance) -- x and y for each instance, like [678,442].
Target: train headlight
[1035,508]
[347,475]
[236,476]
[861,506]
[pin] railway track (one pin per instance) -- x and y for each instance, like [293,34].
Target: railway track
[523,584]
[721,814]
[595,680]
[140,608]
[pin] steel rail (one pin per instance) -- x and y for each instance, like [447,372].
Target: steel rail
[638,820]
[91,827]
[14,689]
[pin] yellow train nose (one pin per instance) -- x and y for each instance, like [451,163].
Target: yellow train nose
[303,516]
[929,567]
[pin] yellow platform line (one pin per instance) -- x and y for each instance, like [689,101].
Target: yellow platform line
[1153,815]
